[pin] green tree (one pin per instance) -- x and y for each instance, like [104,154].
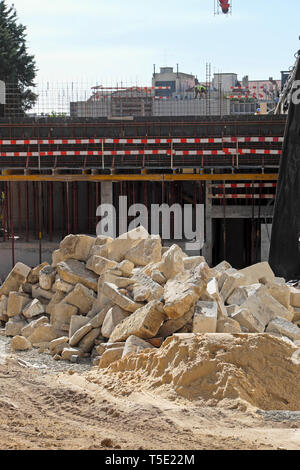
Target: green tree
[17,67]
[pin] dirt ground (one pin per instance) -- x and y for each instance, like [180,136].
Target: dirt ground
[52,405]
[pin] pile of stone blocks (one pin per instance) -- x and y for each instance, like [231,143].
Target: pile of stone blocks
[105,298]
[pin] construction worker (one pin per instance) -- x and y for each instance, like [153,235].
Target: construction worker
[200,90]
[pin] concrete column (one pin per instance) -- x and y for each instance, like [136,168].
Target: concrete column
[266,230]
[207,249]
[106,192]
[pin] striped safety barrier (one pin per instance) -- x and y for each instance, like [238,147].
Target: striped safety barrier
[141,152]
[244,185]
[217,140]
[242,196]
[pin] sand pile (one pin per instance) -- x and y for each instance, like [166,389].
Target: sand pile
[258,368]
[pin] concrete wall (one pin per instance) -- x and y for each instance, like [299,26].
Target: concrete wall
[27,253]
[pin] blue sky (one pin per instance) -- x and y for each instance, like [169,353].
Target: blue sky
[110,41]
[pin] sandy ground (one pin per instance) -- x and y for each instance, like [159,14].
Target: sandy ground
[52,405]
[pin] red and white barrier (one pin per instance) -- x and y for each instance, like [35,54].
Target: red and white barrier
[245,185]
[242,196]
[217,140]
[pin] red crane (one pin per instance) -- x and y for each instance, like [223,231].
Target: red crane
[225,6]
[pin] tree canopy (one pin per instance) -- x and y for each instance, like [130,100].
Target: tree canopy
[17,67]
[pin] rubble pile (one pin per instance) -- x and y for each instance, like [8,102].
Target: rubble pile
[106,298]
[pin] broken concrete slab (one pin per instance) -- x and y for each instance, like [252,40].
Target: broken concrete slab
[144,323]
[205,317]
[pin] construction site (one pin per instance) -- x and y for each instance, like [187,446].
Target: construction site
[150,263]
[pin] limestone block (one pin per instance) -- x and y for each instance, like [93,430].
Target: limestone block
[98,319]
[99,265]
[282,338]
[79,334]
[68,352]
[140,293]
[56,346]
[44,333]
[171,263]
[47,277]
[112,292]
[62,286]
[117,249]
[228,325]
[231,282]
[241,294]
[135,345]
[126,267]
[146,251]
[61,316]
[76,322]
[191,262]
[281,292]
[19,343]
[156,290]
[295,297]
[81,297]
[16,277]
[15,325]
[56,299]
[29,328]
[102,347]
[102,240]
[171,326]
[41,294]
[246,320]
[33,276]
[87,343]
[284,327]
[205,317]
[74,272]
[232,309]
[16,302]
[158,277]
[264,307]
[113,317]
[221,268]
[296,314]
[144,323]
[3,308]
[181,293]
[222,276]
[109,356]
[260,272]
[33,309]
[77,247]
